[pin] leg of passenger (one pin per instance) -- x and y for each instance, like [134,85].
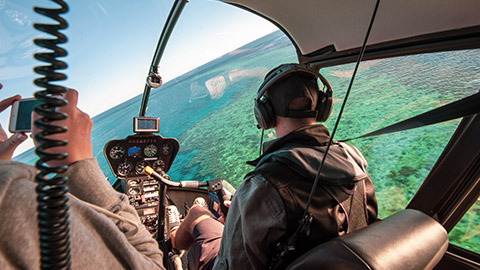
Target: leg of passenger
[182,238]
[204,232]
[207,235]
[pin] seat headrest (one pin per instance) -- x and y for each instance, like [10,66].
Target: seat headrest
[408,239]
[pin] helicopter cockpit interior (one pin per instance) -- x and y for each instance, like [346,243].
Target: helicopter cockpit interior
[179,125]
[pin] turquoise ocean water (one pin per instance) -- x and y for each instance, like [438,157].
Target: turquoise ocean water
[209,110]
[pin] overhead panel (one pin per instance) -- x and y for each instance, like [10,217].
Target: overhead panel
[315,24]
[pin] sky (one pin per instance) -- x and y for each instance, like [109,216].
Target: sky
[111,45]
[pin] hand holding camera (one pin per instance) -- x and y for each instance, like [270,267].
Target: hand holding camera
[79,127]
[8,145]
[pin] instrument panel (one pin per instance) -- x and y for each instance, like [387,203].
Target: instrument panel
[128,157]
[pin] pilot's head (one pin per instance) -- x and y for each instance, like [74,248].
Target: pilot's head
[291,91]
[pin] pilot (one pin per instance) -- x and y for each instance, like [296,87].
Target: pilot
[270,202]
[105,231]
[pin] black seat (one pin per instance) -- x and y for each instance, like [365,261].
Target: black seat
[408,239]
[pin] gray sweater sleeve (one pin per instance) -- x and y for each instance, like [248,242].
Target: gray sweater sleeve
[87,182]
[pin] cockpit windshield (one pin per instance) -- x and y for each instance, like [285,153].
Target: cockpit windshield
[111,47]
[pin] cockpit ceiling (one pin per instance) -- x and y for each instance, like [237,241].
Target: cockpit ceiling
[315,24]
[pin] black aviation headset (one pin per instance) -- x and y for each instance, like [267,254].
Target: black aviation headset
[264,112]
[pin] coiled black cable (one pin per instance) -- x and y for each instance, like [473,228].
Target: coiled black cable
[51,192]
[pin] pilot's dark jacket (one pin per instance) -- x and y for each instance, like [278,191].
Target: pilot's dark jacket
[271,200]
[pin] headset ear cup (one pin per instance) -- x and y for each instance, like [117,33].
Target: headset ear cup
[325,101]
[264,113]
[325,107]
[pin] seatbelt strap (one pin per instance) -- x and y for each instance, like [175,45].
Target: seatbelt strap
[460,108]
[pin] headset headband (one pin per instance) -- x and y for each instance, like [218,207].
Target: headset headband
[287,69]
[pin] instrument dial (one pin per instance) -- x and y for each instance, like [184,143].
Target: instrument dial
[117,152]
[134,151]
[124,168]
[150,150]
[133,191]
[166,149]
[140,166]
[159,165]
[133,182]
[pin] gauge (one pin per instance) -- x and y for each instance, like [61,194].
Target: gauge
[159,165]
[150,150]
[133,191]
[140,166]
[124,168]
[134,151]
[117,152]
[133,182]
[166,149]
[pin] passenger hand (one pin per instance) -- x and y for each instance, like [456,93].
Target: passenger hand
[79,127]
[8,145]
